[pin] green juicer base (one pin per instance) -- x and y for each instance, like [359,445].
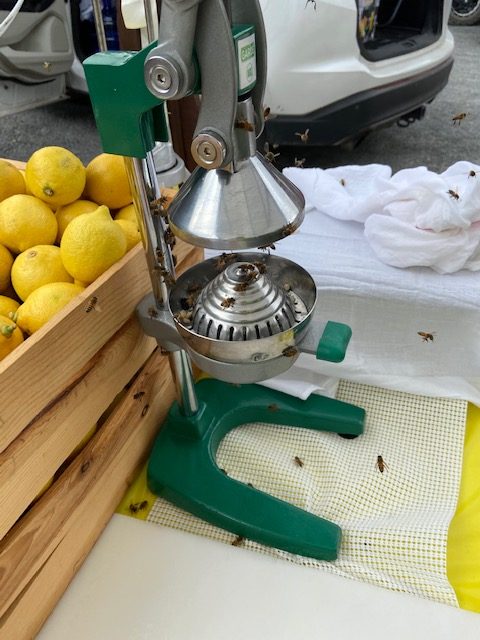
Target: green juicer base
[182,467]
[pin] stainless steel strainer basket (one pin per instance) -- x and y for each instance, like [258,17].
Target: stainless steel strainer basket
[243,308]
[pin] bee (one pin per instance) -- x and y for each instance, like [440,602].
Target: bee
[288,229]
[223,471]
[266,113]
[343,182]
[298,461]
[453,194]
[241,286]
[158,206]
[380,464]
[135,507]
[290,352]
[169,237]
[227,303]
[92,305]
[261,267]
[267,247]
[244,124]
[303,136]
[249,484]
[239,540]
[224,259]
[300,163]
[286,287]
[168,278]
[269,155]
[457,119]
[194,287]
[313,2]
[272,407]
[426,337]
[152,312]
[138,395]
[145,409]
[184,317]
[472,174]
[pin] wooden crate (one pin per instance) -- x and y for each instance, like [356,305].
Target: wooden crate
[53,389]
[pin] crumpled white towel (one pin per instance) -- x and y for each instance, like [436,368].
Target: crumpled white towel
[414,218]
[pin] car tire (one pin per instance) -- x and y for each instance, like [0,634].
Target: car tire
[465,18]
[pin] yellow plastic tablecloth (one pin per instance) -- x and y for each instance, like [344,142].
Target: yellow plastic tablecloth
[463,546]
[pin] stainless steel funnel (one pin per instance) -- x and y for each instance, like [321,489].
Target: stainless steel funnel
[247,205]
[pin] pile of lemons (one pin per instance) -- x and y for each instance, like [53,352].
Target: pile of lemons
[61,226]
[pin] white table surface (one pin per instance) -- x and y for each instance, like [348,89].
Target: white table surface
[146,582]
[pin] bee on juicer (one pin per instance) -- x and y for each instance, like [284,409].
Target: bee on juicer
[241,286]
[303,136]
[298,461]
[227,303]
[426,337]
[453,194]
[244,124]
[380,464]
[169,237]
[457,119]
[288,229]
[290,352]
[184,317]
[223,260]
[267,247]
[152,312]
[262,268]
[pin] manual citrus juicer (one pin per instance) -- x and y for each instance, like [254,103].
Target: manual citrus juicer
[245,315]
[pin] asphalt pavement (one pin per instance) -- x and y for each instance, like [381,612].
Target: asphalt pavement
[432,142]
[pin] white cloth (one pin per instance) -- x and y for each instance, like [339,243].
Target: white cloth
[415,218]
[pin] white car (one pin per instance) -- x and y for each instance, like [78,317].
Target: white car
[337,68]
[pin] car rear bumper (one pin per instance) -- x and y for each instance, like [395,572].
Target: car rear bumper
[357,114]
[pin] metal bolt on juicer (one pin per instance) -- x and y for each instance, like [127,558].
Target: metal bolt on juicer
[241,317]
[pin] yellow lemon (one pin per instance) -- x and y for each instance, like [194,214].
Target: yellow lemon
[8,306]
[55,175]
[70,211]
[37,266]
[27,190]
[11,180]
[10,336]
[43,303]
[132,234]
[26,221]
[91,244]
[6,261]
[107,181]
[126,213]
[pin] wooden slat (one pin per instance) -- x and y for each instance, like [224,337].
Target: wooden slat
[44,550]
[38,371]
[30,461]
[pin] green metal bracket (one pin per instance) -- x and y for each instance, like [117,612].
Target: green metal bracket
[182,466]
[129,118]
[334,342]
